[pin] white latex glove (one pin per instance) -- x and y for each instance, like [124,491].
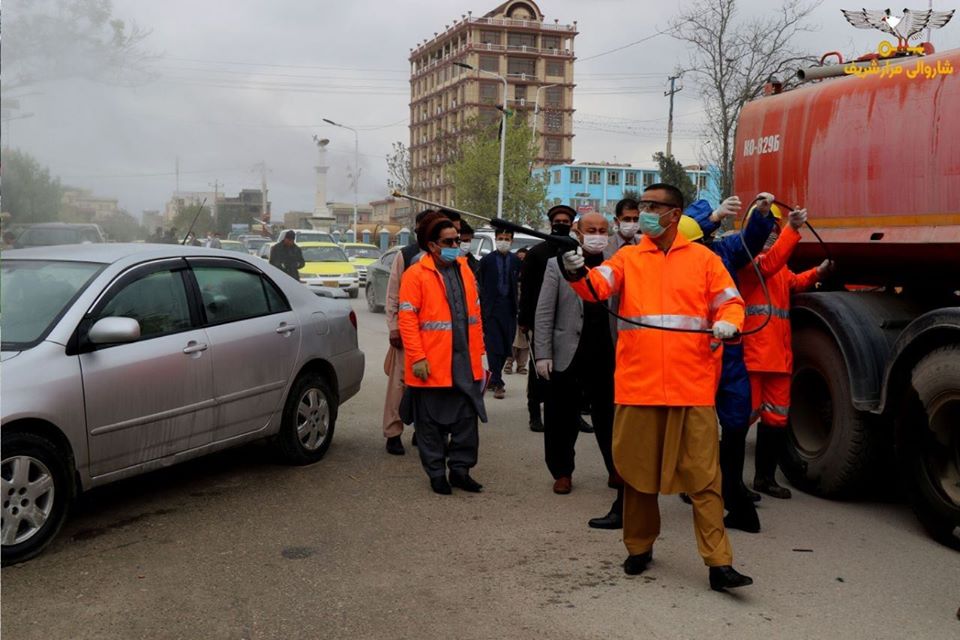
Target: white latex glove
[545,367]
[723,330]
[573,261]
[826,267]
[764,201]
[797,217]
[729,207]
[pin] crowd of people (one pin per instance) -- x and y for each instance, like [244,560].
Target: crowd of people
[662,332]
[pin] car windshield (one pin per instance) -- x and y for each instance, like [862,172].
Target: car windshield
[313,237]
[323,254]
[255,243]
[42,237]
[363,252]
[34,294]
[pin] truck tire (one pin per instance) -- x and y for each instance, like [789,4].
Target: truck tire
[832,447]
[928,443]
[38,488]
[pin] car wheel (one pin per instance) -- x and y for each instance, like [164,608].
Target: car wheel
[37,487]
[371,296]
[354,293]
[928,444]
[309,416]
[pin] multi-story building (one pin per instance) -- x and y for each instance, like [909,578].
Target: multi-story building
[391,210]
[81,204]
[343,215]
[513,41]
[591,186]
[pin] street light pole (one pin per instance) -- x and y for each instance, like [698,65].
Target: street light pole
[356,172]
[503,131]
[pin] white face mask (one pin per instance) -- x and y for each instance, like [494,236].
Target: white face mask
[503,246]
[595,244]
[629,229]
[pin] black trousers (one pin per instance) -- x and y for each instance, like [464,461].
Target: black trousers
[537,390]
[589,376]
[447,445]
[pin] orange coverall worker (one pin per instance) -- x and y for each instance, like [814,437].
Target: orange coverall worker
[665,437]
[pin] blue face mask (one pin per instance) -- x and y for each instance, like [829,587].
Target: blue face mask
[650,224]
[449,254]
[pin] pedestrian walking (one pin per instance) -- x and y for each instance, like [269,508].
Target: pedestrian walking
[439,320]
[499,272]
[287,256]
[665,424]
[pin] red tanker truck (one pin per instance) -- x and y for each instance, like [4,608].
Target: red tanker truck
[875,158]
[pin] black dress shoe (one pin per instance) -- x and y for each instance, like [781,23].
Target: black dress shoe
[465,482]
[635,565]
[743,519]
[585,427]
[395,446]
[771,487]
[536,426]
[440,485]
[613,520]
[753,496]
[413,440]
[726,577]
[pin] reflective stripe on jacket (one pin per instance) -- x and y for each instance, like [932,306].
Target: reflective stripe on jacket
[688,287]
[423,317]
[771,350]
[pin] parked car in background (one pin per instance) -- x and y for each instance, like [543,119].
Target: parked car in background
[484,242]
[327,265]
[362,255]
[378,275]
[309,235]
[118,359]
[233,245]
[47,234]
[254,244]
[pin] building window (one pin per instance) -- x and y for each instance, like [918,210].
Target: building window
[576,176]
[554,121]
[647,178]
[594,176]
[489,116]
[550,42]
[554,68]
[521,40]
[552,147]
[546,177]
[556,176]
[520,93]
[490,37]
[702,182]
[488,93]
[554,97]
[490,63]
[613,178]
[631,178]
[527,66]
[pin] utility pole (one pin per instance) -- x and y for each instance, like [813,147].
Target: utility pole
[216,197]
[263,190]
[177,171]
[673,89]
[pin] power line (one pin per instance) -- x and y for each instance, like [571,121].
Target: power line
[621,48]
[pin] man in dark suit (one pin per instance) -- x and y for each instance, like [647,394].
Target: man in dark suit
[499,271]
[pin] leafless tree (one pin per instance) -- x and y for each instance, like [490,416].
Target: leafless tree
[398,168]
[732,59]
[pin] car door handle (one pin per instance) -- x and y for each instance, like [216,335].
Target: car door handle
[286,329]
[194,347]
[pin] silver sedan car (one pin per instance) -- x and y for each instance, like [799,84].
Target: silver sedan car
[120,359]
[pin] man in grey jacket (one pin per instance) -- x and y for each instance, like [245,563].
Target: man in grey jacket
[574,350]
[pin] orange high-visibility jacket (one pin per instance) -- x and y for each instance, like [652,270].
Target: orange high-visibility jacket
[426,327]
[688,287]
[770,350]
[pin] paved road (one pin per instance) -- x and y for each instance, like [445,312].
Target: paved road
[356,546]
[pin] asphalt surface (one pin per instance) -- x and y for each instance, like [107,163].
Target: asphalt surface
[357,546]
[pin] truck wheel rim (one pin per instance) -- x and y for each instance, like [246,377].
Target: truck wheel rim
[811,414]
[942,447]
[28,491]
[371,302]
[313,418]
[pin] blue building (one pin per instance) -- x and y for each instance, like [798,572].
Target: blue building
[598,186]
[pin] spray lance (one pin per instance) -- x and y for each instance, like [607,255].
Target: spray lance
[568,243]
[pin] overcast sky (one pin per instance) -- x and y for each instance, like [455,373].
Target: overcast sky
[244,81]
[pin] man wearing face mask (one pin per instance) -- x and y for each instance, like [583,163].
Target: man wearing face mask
[466,239]
[575,352]
[531,274]
[665,423]
[628,222]
[499,271]
[439,319]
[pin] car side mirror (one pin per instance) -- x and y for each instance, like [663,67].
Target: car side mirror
[114,330]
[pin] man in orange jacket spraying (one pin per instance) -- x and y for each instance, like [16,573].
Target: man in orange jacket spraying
[768,354]
[665,431]
[439,320]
